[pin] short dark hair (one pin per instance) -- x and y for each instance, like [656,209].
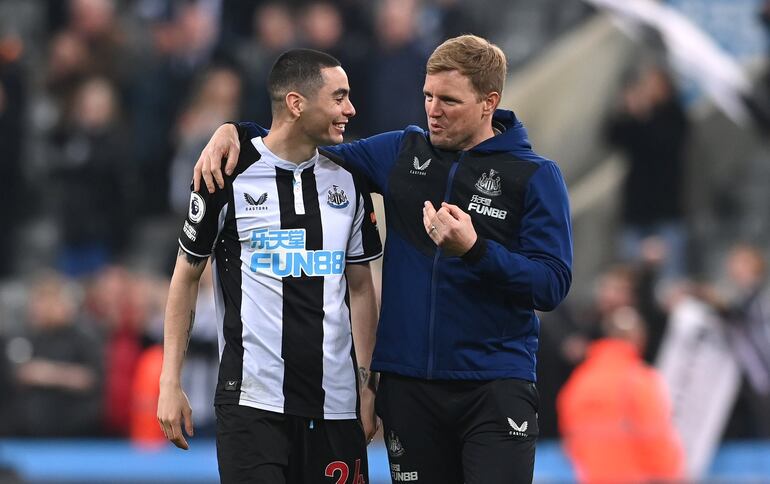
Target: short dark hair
[298,70]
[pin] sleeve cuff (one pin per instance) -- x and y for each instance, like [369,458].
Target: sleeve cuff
[476,252]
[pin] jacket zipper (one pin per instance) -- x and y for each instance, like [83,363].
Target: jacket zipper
[433,282]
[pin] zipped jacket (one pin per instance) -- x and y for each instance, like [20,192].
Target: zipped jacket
[471,317]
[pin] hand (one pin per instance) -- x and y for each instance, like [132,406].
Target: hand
[224,143]
[368,418]
[450,228]
[173,408]
[46,373]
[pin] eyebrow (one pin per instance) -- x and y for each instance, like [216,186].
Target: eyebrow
[341,92]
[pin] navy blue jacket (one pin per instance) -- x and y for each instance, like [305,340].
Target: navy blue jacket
[470,317]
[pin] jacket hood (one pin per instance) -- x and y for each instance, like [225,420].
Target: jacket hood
[513,135]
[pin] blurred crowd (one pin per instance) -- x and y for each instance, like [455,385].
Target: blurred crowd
[113,100]
[595,354]
[104,107]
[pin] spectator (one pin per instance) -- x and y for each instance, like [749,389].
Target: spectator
[216,101]
[562,347]
[274,32]
[567,332]
[651,129]
[323,29]
[144,430]
[455,19]
[67,69]
[236,22]
[759,101]
[615,288]
[90,176]
[182,48]
[396,65]
[749,331]
[59,386]
[95,23]
[13,98]
[614,412]
[119,306]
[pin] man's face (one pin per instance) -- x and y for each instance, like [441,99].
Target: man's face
[455,114]
[330,109]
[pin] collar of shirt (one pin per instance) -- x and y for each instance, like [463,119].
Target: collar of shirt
[274,160]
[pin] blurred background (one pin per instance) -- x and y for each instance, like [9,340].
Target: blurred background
[657,112]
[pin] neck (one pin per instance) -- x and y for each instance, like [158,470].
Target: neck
[480,137]
[286,142]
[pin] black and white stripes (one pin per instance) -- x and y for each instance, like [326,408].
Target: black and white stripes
[285,338]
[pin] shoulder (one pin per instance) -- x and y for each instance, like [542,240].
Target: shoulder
[412,133]
[334,166]
[415,130]
[335,170]
[541,167]
[530,156]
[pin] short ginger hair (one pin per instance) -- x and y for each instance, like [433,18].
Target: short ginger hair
[480,60]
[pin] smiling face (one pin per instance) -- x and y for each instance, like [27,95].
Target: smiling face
[329,109]
[457,118]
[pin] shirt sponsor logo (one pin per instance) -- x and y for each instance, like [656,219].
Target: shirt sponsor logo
[190,231]
[197,208]
[483,206]
[488,184]
[254,205]
[402,476]
[282,253]
[420,168]
[336,197]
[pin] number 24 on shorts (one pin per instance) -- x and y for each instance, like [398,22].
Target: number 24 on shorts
[341,468]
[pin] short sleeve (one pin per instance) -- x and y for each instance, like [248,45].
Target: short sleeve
[202,224]
[364,244]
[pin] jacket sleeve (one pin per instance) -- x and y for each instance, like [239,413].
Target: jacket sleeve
[539,270]
[248,129]
[371,157]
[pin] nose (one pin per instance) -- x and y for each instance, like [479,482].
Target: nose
[349,110]
[432,108]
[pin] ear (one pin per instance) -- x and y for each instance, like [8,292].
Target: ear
[295,103]
[491,101]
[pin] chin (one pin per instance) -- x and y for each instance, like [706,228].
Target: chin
[328,140]
[334,139]
[441,142]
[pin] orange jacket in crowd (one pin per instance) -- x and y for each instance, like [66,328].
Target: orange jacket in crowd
[615,419]
[144,427]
